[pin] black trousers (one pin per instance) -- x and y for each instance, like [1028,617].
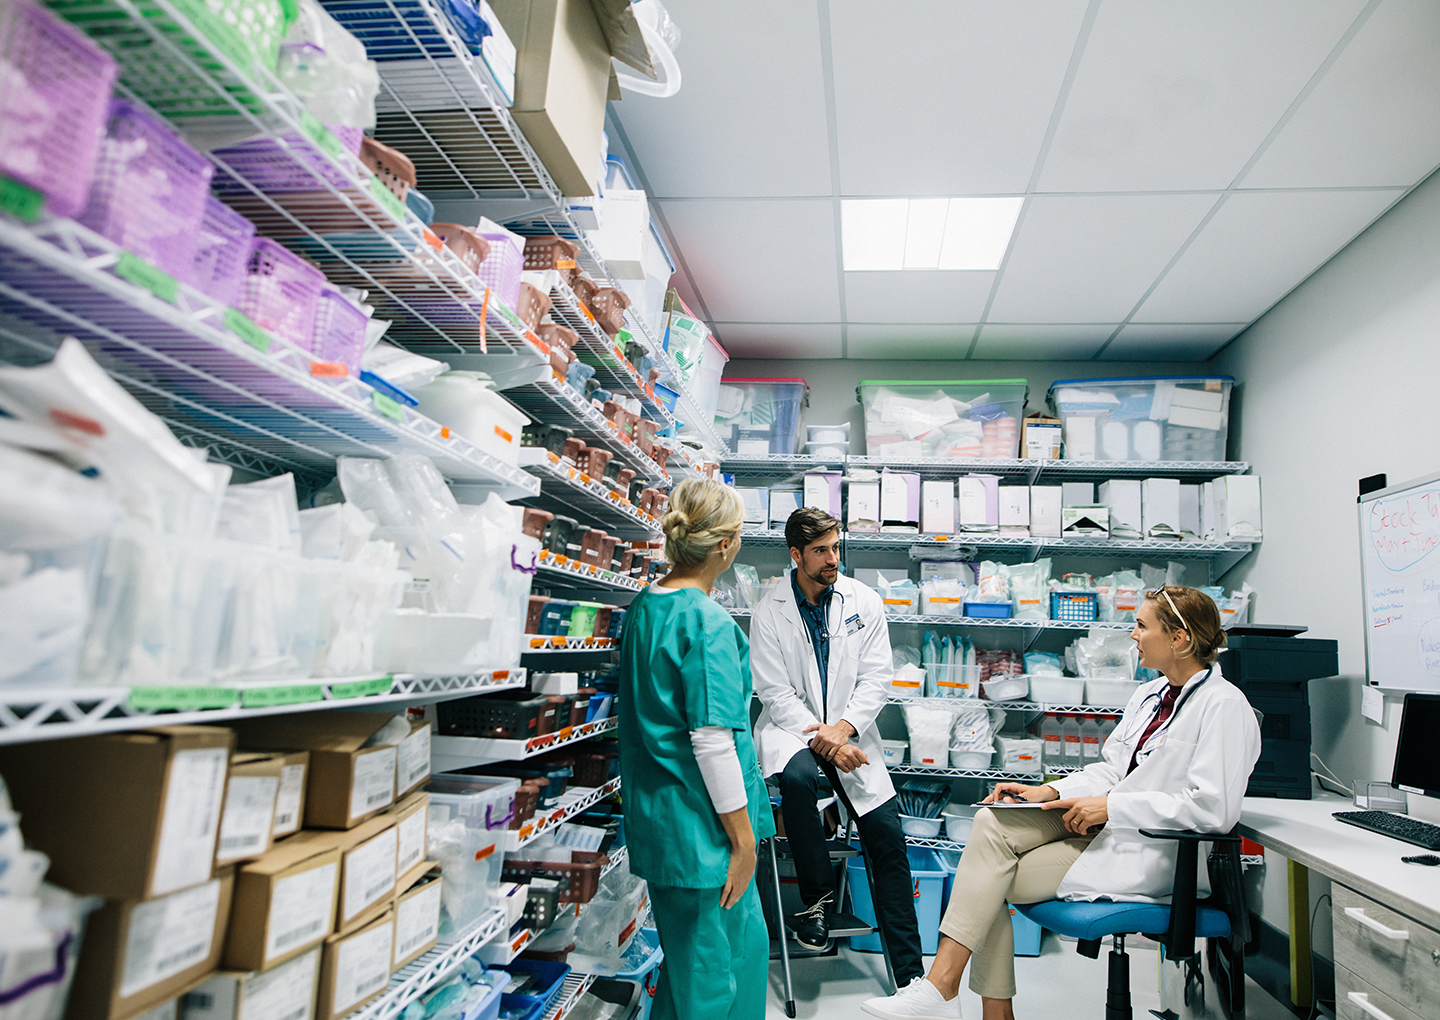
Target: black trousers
[884,842]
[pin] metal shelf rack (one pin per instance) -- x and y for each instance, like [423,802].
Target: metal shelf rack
[576,492]
[516,838]
[998,774]
[565,573]
[557,645]
[415,979]
[452,753]
[596,348]
[778,466]
[574,989]
[553,400]
[1034,471]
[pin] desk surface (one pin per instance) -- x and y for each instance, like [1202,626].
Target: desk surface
[1367,862]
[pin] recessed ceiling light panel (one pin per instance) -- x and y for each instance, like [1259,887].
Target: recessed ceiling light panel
[880,234]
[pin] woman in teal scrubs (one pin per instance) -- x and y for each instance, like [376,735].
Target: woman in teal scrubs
[695,803]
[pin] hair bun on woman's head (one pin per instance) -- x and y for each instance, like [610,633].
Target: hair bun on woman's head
[676,524]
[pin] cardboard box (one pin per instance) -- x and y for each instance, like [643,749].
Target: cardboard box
[1045,511]
[1208,522]
[290,800]
[367,867]
[127,816]
[1160,507]
[165,1011]
[899,499]
[1040,438]
[979,502]
[346,782]
[562,82]
[412,759]
[863,511]
[137,954]
[1079,437]
[1190,509]
[412,822]
[1077,493]
[417,919]
[937,507]
[1014,509]
[757,504]
[1237,509]
[286,992]
[822,490]
[1085,521]
[284,905]
[355,967]
[784,501]
[1123,497]
[248,820]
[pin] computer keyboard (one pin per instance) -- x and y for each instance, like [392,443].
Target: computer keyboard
[1397,826]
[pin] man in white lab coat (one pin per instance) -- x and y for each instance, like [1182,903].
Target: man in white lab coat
[821,662]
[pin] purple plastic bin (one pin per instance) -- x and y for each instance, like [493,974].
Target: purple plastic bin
[280,292]
[149,191]
[269,166]
[502,268]
[339,330]
[52,105]
[221,251]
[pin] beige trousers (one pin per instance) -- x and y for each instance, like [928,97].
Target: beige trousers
[1018,856]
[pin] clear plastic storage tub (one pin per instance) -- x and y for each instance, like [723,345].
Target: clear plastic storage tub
[482,802]
[1183,418]
[757,417]
[953,418]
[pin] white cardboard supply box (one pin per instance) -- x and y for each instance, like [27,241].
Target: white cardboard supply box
[1077,493]
[1124,498]
[1045,511]
[863,513]
[1160,507]
[900,497]
[822,491]
[937,507]
[1014,509]
[1190,509]
[1085,521]
[1237,508]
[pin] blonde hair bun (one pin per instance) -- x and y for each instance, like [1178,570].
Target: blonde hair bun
[703,513]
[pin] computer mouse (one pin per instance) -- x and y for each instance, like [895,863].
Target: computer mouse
[1429,859]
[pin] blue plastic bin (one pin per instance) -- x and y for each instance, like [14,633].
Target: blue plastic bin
[989,610]
[549,980]
[647,974]
[489,1007]
[928,876]
[1027,932]
[523,1007]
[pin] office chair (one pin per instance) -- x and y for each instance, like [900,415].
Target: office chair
[1222,920]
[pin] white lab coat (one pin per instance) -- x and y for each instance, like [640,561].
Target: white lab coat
[787,681]
[1192,775]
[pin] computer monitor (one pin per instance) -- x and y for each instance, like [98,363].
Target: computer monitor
[1417,766]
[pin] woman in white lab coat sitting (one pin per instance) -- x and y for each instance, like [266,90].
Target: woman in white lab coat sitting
[1180,759]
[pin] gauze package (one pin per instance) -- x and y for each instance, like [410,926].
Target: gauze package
[971,729]
[1106,655]
[1235,610]
[747,586]
[1019,754]
[326,67]
[1152,576]
[929,726]
[1030,590]
[1043,664]
[992,582]
[336,531]
[262,513]
[1120,595]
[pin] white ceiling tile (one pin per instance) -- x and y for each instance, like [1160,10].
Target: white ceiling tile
[1179,95]
[1170,341]
[935,97]
[909,342]
[916,296]
[772,340]
[1371,120]
[749,118]
[1091,258]
[1256,249]
[758,261]
[1042,342]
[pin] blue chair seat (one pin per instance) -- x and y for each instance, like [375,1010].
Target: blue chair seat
[1096,920]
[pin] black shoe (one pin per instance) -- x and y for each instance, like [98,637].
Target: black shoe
[811,925]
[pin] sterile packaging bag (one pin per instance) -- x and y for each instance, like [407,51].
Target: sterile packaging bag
[942,597]
[1106,655]
[472,863]
[929,724]
[263,513]
[1019,754]
[40,939]
[1030,590]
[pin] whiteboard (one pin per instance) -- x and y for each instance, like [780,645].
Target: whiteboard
[1400,571]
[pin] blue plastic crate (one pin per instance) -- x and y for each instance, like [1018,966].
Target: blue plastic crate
[1074,606]
[989,610]
[928,874]
[1027,934]
[549,980]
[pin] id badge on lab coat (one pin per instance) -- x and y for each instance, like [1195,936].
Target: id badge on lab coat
[854,625]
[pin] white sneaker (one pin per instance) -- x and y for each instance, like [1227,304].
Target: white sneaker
[919,1000]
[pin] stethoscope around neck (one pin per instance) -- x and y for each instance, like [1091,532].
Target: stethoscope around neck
[1143,712]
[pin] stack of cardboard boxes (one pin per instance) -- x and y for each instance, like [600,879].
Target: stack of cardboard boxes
[277,869]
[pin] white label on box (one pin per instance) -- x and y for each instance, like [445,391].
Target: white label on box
[412,762]
[374,785]
[410,838]
[417,921]
[362,965]
[287,800]
[169,935]
[214,1000]
[285,993]
[193,802]
[369,874]
[1014,506]
[302,908]
[249,813]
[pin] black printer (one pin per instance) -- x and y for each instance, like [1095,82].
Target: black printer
[1274,669]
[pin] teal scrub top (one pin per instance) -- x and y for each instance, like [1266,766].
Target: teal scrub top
[684,664]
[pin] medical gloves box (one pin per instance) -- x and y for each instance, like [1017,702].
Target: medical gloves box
[367,868]
[822,490]
[1045,511]
[1237,508]
[248,821]
[1160,508]
[979,502]
[417,918]
[1040,438]
[1014,509]
[412,818]
[899,500]
[1085,521]
[347,781]
[863,510]
[1124,497]
[290,799]
[355,967]
[286,992]
[284,905]
[127,815]
[1078,433]
[937,507]
[137,954]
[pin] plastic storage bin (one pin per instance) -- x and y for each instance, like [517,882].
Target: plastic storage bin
[928,875]
[220,252]
[584,878]
[956,418]
[465,402]
[506,715]
[482,801]
[1057,690]
[989,610]
[962,759]
[1074,606]
[1110,693]
[52,108]
[549,980]
[280,291]
[1006,688]
[339,330]
[757,417]
[705,382]
[1184,418]
[149,189]
[502,268]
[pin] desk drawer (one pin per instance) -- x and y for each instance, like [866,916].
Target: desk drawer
[1406,970]
[1347,1008]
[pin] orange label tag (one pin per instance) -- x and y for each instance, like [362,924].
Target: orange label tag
[480,855]
[538,642]
[566,733]
[502,674]
[524,938]
[554,457]
[432,239]
[329,369]
[504,435]
[565,561]
[444,431]
[536,342]
[526,830]
[564,263]
[584,478]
